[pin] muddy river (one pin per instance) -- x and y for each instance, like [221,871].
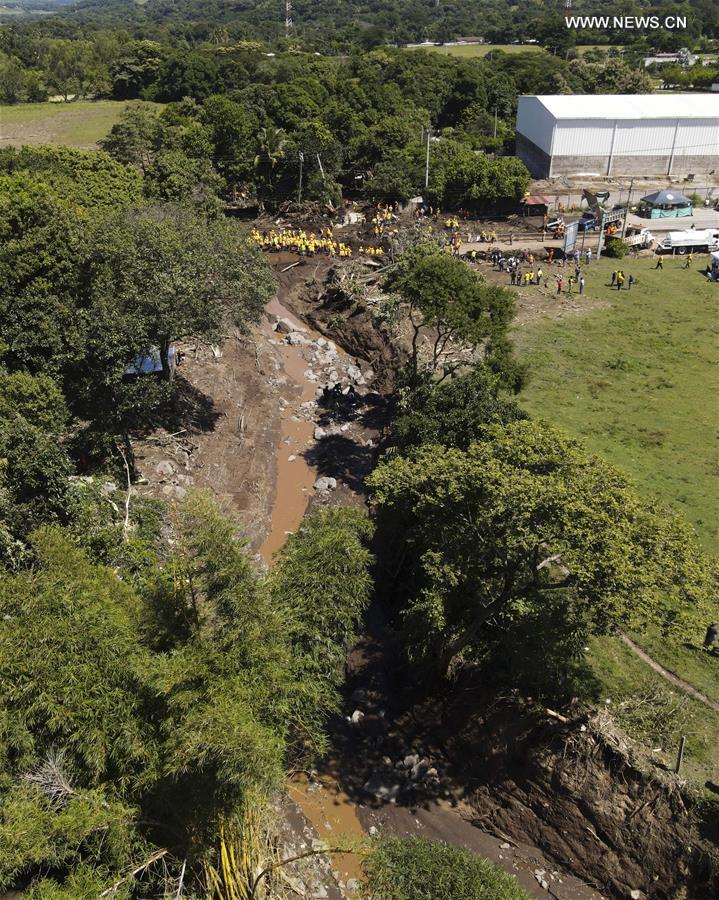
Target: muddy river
[332,814]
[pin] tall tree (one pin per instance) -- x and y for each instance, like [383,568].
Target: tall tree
[451,310]
[164,273]
[522,520]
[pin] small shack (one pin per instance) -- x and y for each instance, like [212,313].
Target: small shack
[665,205]
[535,205]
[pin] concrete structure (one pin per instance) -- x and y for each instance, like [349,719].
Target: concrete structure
[619,134]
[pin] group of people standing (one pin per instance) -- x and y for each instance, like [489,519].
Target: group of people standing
[620,279]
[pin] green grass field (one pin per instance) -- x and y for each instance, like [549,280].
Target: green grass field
[653,711]
[472,51]
[637,380]
[635,377]
[469,51]
[78,124]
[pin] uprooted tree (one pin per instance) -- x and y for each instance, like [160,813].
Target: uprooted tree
[525,525]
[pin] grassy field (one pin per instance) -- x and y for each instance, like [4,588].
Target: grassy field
[636,378]
[475,50]
[78,124]
[470,51]
[654,711]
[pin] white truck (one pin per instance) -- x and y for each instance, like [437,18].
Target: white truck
[640,238]
[694,240]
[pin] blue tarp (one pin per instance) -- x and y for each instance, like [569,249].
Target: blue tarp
[147,363]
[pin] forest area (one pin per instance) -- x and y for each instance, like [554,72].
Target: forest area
[424,639]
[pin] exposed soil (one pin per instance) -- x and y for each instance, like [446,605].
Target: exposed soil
[564,794]
[228,430]
[548,796]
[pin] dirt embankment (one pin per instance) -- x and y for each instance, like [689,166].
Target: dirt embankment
[564,794]
[320,291]
[548,797]
[223,432]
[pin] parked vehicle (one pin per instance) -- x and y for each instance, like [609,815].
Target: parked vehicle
[588,222]
[640,239]
[696,240]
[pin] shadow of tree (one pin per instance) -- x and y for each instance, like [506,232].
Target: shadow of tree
[342,458]
[188,407]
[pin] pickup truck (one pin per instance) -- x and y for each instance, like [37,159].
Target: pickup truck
[694,240]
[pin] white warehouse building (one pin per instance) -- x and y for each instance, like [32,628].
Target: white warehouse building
[619,134]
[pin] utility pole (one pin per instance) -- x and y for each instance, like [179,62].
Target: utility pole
[495,121]
[426,170]
[288,17]
[299,190]
[626,211]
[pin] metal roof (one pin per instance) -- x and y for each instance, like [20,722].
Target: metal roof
[631,106]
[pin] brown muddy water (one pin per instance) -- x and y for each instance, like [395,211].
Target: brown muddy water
[331,812]
[295,478]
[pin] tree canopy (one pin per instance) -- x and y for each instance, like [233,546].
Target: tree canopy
[452,311]
[534,520]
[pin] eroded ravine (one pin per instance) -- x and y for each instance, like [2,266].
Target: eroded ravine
[331,812]
[308,363]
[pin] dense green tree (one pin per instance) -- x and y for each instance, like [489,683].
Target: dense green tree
[534,521]
[163,273]
[136,69]
[136,137]
[451,414]
[322,581]
[138,711]
[451,309]
[461,177]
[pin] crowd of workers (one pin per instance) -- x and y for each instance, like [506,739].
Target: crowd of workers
[309,244]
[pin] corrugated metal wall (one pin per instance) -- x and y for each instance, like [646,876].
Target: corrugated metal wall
[641,137]
[535,122]
[700,137]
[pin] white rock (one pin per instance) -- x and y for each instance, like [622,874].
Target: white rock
[357,717]
[286,326]
[368,375]
[373,830]
[294,337]
[310,375]
[381,788]
[325,484]
[165,468]
[291,458]
[353,885]
[353,373]
[319,433]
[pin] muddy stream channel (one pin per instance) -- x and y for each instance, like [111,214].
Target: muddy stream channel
[310,362]
[308,366]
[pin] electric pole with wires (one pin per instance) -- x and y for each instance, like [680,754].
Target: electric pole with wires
[289,24]
[428,131]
